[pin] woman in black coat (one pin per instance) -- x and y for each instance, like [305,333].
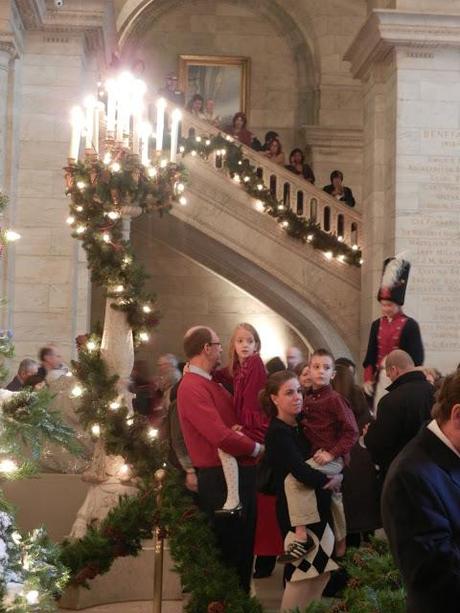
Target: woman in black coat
[360,483]
[338,190]
[287,451]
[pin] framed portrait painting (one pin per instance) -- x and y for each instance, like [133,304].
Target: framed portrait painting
[223,83]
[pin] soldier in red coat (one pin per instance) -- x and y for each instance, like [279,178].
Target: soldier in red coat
[393,330]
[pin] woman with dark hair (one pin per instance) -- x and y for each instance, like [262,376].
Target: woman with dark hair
[338,190]
[360,485]
[195,106]
[274,365]
[275,152]
[302,371]
[239,130]
[287,451]
[298,166]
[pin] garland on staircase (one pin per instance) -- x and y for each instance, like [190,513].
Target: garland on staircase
[98,190]
[244,173]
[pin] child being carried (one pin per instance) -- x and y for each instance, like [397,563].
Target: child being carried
[330,426]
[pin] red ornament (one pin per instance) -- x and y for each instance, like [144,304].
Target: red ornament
[216,607]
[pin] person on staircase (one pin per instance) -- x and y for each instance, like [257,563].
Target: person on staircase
[338,190]
[275,152]
[238,129]
[298,166]
[393,330]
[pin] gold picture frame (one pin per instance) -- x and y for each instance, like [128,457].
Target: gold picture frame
[222,79]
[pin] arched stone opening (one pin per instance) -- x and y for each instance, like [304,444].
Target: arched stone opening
[284,98]
[313,327]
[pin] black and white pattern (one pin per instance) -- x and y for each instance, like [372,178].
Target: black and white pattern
[318,560]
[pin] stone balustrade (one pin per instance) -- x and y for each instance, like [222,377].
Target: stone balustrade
[293,191]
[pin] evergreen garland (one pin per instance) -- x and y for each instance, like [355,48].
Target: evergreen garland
[241,169]
[98,192]
[374,584]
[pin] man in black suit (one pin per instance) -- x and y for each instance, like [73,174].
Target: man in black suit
[420,509]
[401,413]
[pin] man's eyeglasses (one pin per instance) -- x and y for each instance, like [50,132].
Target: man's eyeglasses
[216,343]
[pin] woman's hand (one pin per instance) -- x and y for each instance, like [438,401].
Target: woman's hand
[237,428]
[322,457]
[334,484]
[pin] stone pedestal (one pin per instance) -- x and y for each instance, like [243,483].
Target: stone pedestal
[410,66]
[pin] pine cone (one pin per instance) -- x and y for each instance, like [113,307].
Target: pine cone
[216,607]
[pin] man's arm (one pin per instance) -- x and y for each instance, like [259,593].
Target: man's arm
[198,409]
[383,434]
[370,361]
[421,537]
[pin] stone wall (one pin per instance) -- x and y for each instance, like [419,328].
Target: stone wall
[49,297]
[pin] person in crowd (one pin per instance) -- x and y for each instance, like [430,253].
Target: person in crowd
[337,189]
[168,375]
[195,106]
[393,330]
[348,364]
[207,416]
[274,365]
[178,453]
[51,364]
[247,375]
[298,166]
[401,413]
[171,90]
[360,486]
[36,381]
[302,371]
[269,137]
[275,152]
[239,130]
[330,426]
[26,369]
[287,450]
[420,504]
[210,112]
[433,376]
[294,356]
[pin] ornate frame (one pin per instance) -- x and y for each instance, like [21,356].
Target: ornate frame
[217,60]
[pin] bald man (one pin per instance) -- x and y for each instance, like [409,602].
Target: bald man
[206,417]
[401,413]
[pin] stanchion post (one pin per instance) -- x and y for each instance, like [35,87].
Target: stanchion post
[160,475]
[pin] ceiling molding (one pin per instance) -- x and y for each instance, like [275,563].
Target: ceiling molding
[386,29]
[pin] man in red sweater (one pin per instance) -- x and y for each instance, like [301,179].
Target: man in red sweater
[206,416]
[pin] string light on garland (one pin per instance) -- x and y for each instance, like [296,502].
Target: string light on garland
[310,237]
[91,345]
[107,158]
[183,200]
[115,167]
[33,597]
[70,220]
[8,466]
[96,430]
[77,391]
[80,229]
[11,236]
[147,308]
[113,215]
[144,337]
[328,255]
[81,185]
[259,206]
[355,247]
[106,237]
[114,406]
[152,433]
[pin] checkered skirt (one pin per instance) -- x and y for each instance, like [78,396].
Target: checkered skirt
[318,560]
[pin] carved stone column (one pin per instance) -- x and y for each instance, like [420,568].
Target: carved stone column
[410,67]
